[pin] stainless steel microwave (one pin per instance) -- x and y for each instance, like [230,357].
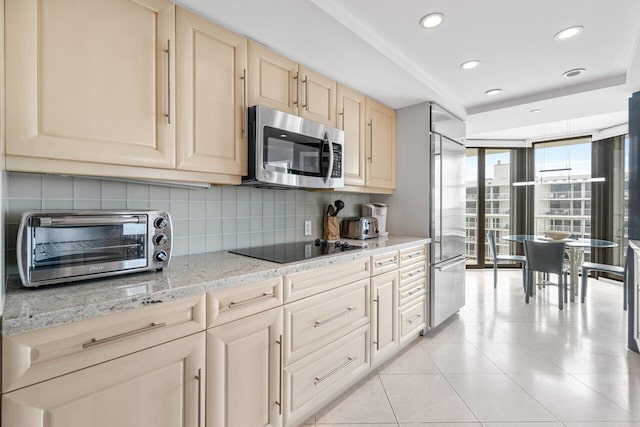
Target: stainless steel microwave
[289,151]
[64,246]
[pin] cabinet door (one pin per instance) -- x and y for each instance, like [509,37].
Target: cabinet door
[351,119]
[211,97]
[158,387]
[272,80]
[381,145]
[91,81]
[318,97]
[384,316]
[244,359]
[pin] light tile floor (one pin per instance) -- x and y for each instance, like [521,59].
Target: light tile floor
[503,363]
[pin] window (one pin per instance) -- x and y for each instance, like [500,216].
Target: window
[472,205]
[489,176]
[561,168]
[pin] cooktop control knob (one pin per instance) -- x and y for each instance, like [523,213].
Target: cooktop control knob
[161,256]
[160,239]
[160,222]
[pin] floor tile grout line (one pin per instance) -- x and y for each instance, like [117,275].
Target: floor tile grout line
[387,396]
[457,394]
[533,397]
[635,418]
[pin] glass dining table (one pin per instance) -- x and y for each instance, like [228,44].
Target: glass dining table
[575,249]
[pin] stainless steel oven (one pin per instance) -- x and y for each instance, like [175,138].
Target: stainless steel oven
[289,151]
[63,246]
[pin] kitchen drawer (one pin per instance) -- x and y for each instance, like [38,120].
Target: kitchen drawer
[316,321]
[413,255]
[384,262]
[412,319]
[235,303]
[307,283]
[36,356]
[314,380]
[413,291]
[412,272]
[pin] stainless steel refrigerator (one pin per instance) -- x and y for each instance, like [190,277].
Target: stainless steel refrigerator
[448,261]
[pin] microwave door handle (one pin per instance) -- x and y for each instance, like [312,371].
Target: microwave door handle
[330,169]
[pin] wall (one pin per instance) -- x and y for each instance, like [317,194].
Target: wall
[414,174]
[218,218]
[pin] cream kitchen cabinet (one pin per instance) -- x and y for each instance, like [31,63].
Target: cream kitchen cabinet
[159,387]
[384,316]
[369,143]
[107,88]
[351,119]
[280,83]
[211,96]
[244,362]
[72,93]
[273,80]
[381,146]
[318,97]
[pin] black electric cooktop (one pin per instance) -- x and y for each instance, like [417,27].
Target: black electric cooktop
[299,251]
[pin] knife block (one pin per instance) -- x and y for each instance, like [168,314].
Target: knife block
[331,229]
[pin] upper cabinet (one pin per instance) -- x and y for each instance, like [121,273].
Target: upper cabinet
[351,119]
[145,89]
[280,83]
[91,81]
[124,88]
[211,97]
[381,145]
[273,80]
[318,97]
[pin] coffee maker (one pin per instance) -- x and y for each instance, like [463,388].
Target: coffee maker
[378,211]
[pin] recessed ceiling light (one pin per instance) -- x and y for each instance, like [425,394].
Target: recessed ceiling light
[492,92]
[567,33]
[468,65]
[536,110]
[432,20]
[573,73]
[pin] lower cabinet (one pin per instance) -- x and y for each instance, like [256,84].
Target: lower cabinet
[244,361]
[162,386]
[320,377]
[384,316]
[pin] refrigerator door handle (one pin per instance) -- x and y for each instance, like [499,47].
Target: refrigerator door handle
[451,264]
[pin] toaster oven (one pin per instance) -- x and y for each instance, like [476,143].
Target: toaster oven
[359,228]
[64,246]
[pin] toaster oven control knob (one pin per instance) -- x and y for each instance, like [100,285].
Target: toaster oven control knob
[161,256]
[160,239]
[160,222]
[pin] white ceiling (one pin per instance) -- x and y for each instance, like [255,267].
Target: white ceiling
[378,47]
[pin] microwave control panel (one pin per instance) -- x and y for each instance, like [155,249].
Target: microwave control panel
[337,161]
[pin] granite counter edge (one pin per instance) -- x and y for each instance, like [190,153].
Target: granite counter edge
[13,326]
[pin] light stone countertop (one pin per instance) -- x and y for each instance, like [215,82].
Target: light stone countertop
[27,309]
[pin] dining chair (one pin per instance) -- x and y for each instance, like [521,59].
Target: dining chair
[546,257]
[607,268]
[491,237]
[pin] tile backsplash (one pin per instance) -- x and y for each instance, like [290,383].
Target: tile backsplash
[213,219]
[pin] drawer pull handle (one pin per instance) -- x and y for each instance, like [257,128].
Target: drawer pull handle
[414,318]
[414,255]
[151,327]
[332,318]
[414,291]
[384,264]
[264,295]
[415,272]
[339,368]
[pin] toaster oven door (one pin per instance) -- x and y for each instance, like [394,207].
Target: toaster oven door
[63,247]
